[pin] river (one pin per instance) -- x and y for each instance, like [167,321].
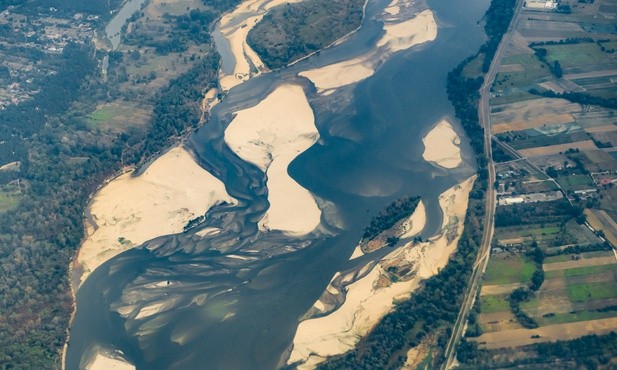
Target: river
[113,30]
[242,313]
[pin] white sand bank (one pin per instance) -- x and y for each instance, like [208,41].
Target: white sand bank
[106,362]
[270,135]
[403,35]
[368,300]
[441,146]
[416,222]
[131,210]
[393,8]
[399,35]
[242,52]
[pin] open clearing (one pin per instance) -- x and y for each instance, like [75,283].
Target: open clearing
[495,303]
[489,290]
[117,116]
[508,270]
[8,202]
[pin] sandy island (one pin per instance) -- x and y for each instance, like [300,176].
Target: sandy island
[131,210]
[270,135]
[104,361]
[441,146]
[371,297]
[399,35]
[236,35]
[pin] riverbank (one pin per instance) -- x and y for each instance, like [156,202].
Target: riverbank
[442,146]
[368,299]
[130,210]
[271,135]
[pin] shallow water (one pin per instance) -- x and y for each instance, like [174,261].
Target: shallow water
[232,313]
[114,27]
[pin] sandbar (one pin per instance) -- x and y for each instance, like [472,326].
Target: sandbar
[106,362]
[441,146]
[131,210]
[367,302]
[399,35]
[416,222]
[270,135]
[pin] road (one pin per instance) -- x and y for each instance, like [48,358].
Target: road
[484,251]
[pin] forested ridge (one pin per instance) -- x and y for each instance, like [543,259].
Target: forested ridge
[64,159]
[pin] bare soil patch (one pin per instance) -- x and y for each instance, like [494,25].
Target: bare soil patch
[499,289]
[541,121]
[521,337]
[579,263]
[554,149]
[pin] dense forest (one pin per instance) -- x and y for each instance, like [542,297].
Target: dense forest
[63,161]
[292,31]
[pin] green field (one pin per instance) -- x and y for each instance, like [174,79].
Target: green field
[494,303]
[568,256]
[107,112]
[9,196]
[8,201]
[540,140]
[116,116]
[514,269]
[577,55]
[533,70]
[562,318]
[529,231]
[546,185]
[473,69]
[579,271]
[575,182]
[592,291]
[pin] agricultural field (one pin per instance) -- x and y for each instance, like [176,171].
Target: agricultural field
[578,296]
[601,220]
[575,182]
[554,144]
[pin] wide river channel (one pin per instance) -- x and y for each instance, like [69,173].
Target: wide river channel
[242,313]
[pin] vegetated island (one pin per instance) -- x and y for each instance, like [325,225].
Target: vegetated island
[396,212]
[356,300]
[293,31]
